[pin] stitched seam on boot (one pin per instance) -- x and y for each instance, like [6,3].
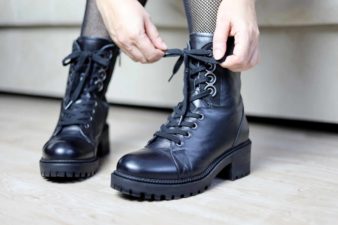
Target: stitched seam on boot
[239,129]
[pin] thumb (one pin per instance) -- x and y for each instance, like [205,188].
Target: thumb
[153,35]
[220,36]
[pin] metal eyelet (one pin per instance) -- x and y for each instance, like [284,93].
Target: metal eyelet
[211,78]
[110,56]
[102,74]
[99,84]
[179,144]
[95,104]
[86,125]
[91,118]
[211,89]
[211,67]
[195,125]
[188,136]
[201,117]
[104,77]
[93,111]
[100,88]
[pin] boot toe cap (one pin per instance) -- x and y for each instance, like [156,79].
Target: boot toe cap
[67,150]
[148,164]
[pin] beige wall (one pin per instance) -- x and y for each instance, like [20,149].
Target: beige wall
[296,79]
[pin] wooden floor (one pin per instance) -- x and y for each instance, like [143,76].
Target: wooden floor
[294,176]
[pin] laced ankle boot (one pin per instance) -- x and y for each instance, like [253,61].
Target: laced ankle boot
[81,136]
[205,136]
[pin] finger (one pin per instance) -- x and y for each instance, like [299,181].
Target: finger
[134,54]
[220,36]
[128,48]
[255,59]
[238,67]
[146,47]
[241,53]
[231,63]
[251,54]
[154,36]
[242,46]
[254,53]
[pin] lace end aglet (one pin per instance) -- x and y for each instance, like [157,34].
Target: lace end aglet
[166,54]
[171,77]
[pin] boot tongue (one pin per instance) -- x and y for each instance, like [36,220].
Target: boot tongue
[92,44]
[199,40]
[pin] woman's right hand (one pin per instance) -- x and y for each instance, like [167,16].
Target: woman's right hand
[130,27]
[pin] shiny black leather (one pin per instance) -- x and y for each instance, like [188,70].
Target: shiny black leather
[222,126]
[81,141]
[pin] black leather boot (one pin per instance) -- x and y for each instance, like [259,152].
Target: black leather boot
[81,136]
[205,136]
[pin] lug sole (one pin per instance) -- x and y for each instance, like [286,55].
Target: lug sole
[232,165]
[63,169]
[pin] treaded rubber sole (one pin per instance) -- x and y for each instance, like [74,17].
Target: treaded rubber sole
[232,165]
[71,169]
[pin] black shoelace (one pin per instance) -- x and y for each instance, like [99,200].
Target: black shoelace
[177,123]
[80,114]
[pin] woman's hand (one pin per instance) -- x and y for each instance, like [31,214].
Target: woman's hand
[130,27]
[237,18]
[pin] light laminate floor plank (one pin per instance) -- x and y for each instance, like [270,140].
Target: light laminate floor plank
[294,176]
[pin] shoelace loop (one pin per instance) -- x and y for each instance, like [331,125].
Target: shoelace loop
[204,62]
[79,114]
[79,59]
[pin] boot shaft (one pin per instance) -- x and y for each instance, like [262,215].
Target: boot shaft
[224,85]
[112,53]
[84,105]
[92,63]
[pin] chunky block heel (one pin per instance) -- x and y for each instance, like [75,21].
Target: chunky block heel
[104,146]
[239,166]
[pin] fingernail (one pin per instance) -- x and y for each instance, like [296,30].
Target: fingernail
[217,53]
[163,43]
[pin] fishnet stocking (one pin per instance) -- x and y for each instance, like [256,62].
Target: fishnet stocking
[201,15]
[92,25]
